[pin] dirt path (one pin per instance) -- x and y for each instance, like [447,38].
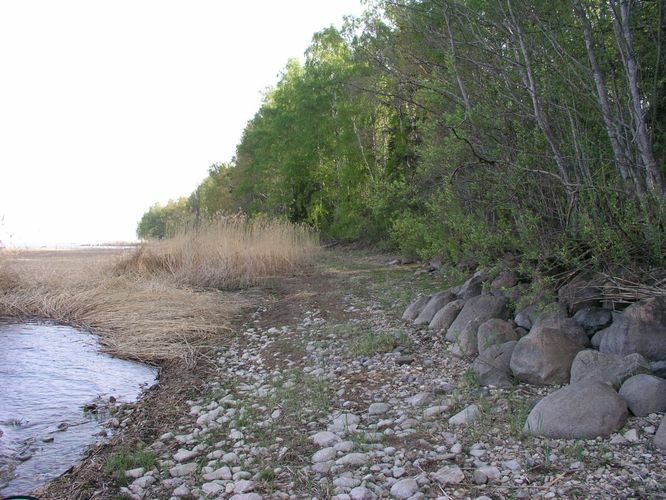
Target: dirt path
[325,393]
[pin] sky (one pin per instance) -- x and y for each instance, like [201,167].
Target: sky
[107,107]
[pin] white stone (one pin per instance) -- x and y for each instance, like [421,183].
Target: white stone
[325,438]
[378,408]
[420,399]
[323,455]
[183,469]
[135,473]
[361,493]
[221,473]
[404,488]
[449,475]
[184,455]
[212,488]
[469,414]
[353,459]
[181,491]
[244,486]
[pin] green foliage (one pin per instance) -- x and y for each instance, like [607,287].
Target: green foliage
[125,460]
[161,220]
[465,129]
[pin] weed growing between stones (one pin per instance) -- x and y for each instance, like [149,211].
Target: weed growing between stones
[371,343]
[124,460]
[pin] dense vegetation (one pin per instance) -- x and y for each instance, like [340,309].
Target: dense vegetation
[465,128]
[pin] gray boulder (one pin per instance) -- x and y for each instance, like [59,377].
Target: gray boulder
[607,368]
[480,308]
[596,339]
[658,368]
[493,365]
[472,287]
[465,343]
[557,322]
[435,303]
[644,394]
[544,357]
[583,410]
[415,308]
[640,328]
[504,280]
[582,292]
[660,436]
[446,315]
[494,332]
[593,319]
[527,316]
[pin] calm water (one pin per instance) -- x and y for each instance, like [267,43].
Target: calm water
[48,374]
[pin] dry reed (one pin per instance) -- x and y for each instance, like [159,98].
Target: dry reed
[148,305]
[227,253]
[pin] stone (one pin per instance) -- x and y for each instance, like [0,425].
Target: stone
[584,410]
[583,291]
[183,469]
[504,280]
[324,455]
[135,473]
[420,399]
[184,455]
[644,394]
[472,287]
[494,332]
[640,328]
[558,322]
[493,365]
[181,491]
[353,459]
[325,438]
[246,496]
[415,308]
[223,473]
[465,344]
[466,416]
[378,408]
[244,486]
[480,308]
[544,357]
[446,315]
[212,488]
[344,422]
[593,319]
[660,436]
[658,368]
[435,303]
[144,482]
[607,368]
[449,475]
[405,488]
[479,477]
[361,493]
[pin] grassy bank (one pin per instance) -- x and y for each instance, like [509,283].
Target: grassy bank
[162,301]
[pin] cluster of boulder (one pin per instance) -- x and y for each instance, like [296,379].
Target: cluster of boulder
[610,363]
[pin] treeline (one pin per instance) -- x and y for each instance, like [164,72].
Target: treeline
[465,128]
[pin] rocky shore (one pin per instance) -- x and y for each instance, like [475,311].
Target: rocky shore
[326,392]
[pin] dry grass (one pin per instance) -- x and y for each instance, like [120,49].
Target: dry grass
[227,253]
[149,304]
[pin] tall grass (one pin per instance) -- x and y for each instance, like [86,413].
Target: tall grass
[150,304]
[225,253]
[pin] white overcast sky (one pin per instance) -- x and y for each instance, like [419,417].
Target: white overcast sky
[109,106]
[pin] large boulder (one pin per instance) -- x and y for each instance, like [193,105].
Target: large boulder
[583,410]
[644,394]
[446,315]
[472,287]
[527,316]
[610,369]
[582,292]
[593,319]
[480,308]
[558,322]
[494,332]
[414,309]
[505,280]
[493,365]
[640,328]
[465,343]
[544,357]
[435,303]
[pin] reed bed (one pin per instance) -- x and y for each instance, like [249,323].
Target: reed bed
[226,253]
[161,302]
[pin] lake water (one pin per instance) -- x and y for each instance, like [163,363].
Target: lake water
[48,375]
